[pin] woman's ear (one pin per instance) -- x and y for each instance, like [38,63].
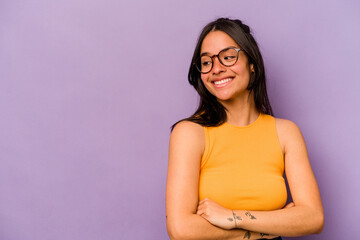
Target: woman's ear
[252,67]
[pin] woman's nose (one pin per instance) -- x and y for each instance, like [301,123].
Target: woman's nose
[217,66]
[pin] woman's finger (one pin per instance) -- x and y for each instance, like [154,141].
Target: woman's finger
[205,199]
[289,205]
[199,212]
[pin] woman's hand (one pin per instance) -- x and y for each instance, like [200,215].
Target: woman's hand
[225,218]
[216,214]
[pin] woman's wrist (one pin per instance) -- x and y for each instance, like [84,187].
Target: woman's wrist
[237,219]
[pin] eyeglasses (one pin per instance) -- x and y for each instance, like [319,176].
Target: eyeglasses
[227,57]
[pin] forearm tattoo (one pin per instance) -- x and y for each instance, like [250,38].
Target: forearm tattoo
[247,235]
[248,214]
[235,217]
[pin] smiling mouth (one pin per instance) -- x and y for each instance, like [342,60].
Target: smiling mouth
[222,82]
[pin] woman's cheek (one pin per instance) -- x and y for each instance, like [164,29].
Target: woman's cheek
[206,84]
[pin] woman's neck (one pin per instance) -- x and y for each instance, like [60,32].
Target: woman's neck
[241,111]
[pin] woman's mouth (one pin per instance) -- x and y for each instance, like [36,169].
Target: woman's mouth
[222,83]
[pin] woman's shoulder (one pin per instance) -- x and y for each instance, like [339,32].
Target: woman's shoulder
[188,136]
[188,130]
[287,131]
[285,125]
[187,126]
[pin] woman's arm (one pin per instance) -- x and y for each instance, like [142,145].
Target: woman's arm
[187,143]
[305,217]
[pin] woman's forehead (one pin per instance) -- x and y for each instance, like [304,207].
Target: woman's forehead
[215,41]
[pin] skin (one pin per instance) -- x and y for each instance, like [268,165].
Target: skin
[191,218]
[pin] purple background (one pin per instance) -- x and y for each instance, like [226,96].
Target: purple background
[89,89]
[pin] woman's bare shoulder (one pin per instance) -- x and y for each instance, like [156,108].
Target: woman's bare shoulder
[287,132]
[285,125]
[189,134]
[187,126]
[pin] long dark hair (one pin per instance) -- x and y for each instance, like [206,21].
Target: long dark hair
[210,112]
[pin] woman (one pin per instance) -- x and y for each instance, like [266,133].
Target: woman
[226,161]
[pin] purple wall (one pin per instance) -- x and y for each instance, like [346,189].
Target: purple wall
[89,89]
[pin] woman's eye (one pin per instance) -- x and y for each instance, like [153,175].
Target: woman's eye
[229,57]
[205,63]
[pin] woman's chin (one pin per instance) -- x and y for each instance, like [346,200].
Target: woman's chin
[223,98]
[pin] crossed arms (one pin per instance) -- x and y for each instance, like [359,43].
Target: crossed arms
[187,218]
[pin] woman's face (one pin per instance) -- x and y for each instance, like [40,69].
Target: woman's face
[225,83]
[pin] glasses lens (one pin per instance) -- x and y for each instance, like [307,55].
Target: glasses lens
[228,57]
[205,64]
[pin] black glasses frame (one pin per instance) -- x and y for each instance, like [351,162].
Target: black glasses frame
[198,60]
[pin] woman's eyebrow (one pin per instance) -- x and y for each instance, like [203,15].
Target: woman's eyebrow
[204,53]
[207,53]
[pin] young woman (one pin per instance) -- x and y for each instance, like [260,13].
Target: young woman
[226,161]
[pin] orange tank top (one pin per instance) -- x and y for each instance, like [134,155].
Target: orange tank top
[242,167]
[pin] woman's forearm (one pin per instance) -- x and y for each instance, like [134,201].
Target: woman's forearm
[195,227]
[288,222]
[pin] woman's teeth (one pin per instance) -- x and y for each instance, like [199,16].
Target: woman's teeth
[222,81]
